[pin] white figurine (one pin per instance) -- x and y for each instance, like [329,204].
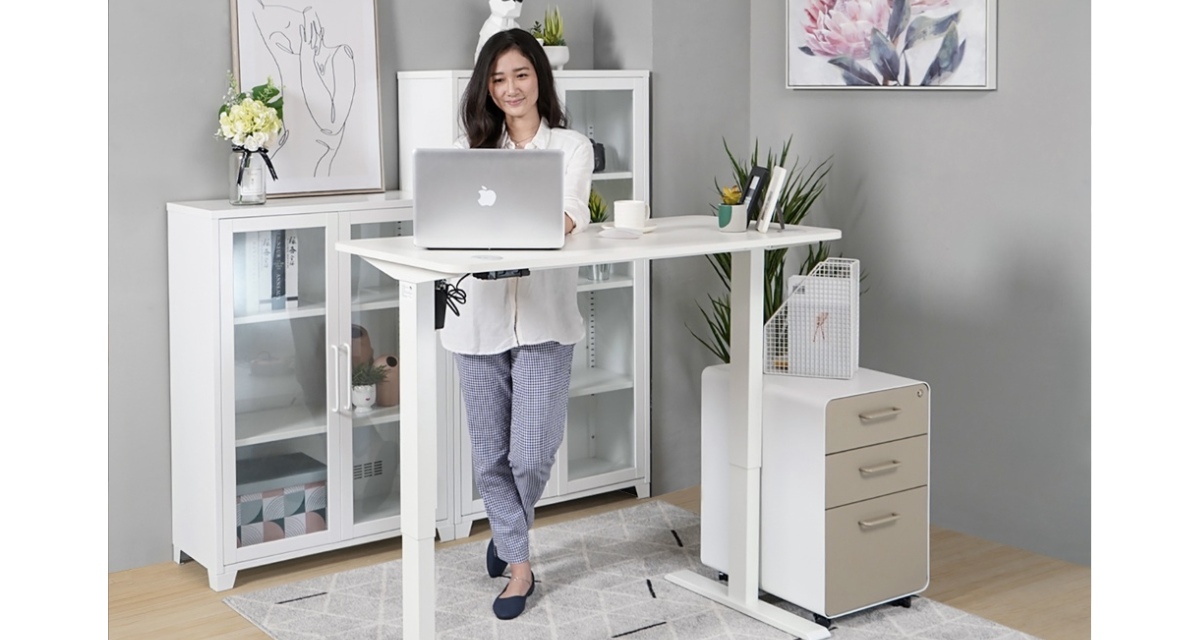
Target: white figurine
[503,18]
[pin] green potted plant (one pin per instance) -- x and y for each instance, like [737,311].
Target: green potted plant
[731,214]
[802,188]
[363,380]
[597,214]
[551,36]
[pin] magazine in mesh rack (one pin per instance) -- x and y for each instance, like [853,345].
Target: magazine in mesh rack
[815,331]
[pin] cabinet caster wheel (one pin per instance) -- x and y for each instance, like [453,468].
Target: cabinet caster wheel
[822,620]
[905,602]
[722,577]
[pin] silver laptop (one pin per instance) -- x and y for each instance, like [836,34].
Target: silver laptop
[488,198]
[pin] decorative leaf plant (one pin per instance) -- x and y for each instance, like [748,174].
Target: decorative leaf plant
[367,373]
[551,32]
[597,208]
[801,189]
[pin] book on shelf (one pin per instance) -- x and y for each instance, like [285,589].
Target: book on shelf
[291,269]
[265,257]
[249,277]
[278,270]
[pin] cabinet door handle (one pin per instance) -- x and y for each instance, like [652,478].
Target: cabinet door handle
[337,392]
[878,522]
[879,468]
[349,375]
[876,416]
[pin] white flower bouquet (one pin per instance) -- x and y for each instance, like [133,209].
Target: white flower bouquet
[251,121]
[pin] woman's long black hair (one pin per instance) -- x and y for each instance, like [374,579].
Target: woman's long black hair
[481,118]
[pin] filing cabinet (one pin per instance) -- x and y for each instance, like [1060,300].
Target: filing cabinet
[845,488]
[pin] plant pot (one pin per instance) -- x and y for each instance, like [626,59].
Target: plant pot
[363,397]
[558,56]
[597,272]
[388,392]
[731,218]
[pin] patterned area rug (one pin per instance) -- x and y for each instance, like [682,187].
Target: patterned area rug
[598,577]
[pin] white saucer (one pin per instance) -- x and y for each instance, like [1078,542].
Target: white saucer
[646,229]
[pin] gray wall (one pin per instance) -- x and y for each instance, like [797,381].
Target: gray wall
[971,213]
[701,62]
[997,323]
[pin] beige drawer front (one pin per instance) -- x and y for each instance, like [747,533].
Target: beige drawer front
[859,474]
[876,550]
[871,418]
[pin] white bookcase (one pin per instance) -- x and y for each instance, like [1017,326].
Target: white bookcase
[269,460]
[607,442]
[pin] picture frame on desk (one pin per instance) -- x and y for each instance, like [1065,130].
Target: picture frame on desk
[755,181]
[771,199]
[324,55]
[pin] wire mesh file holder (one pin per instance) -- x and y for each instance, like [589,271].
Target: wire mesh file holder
[815,331]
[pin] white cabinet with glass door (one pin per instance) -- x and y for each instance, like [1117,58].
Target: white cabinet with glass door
[270,458]
[607,441]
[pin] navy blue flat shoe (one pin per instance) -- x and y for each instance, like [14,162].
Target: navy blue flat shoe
[512,606]
[495,565]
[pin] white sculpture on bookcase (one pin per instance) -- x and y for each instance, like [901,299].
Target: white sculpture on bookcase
[504,17]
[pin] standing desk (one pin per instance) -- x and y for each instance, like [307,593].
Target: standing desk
[416,270]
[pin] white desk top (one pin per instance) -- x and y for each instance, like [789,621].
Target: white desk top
[674,237]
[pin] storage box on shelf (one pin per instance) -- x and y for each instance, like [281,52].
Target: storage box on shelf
[262,310]
[607,441]
[845,488]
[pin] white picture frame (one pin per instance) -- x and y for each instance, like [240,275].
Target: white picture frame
[324,55]
[771,199]
[924,45]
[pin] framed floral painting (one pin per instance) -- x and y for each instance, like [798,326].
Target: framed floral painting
[323,54]
[891,44]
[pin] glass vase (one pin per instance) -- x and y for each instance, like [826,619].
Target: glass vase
[247,178]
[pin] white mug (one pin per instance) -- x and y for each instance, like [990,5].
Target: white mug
[630,214]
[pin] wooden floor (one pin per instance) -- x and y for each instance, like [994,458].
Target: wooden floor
[1041,596]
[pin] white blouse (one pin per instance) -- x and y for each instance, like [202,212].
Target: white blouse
[541,307]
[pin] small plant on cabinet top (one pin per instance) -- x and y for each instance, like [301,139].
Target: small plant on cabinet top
[731,195]
[551,32]
[367,373]
[597,208]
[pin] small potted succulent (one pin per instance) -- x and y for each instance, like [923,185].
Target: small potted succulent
[551,36]
[366,375]
[731,214]
[597,214]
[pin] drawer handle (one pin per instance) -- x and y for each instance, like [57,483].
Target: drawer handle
[878,522]
[876,416]
[879,468]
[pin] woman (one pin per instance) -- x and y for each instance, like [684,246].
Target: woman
[513,342]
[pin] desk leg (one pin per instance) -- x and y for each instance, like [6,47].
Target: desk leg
[418,456]
[745,460]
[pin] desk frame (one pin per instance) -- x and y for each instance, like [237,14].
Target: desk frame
[416,272]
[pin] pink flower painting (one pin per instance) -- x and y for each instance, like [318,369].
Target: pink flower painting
[888,43]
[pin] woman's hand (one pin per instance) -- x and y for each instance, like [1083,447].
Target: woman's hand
[569,225]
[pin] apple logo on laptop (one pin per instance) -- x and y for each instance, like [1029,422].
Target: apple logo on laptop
[487,197]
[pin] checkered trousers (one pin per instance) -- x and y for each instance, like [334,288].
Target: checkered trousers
[516,413]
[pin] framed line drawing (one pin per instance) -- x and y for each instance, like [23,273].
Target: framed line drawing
[891,44]
[324,54]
